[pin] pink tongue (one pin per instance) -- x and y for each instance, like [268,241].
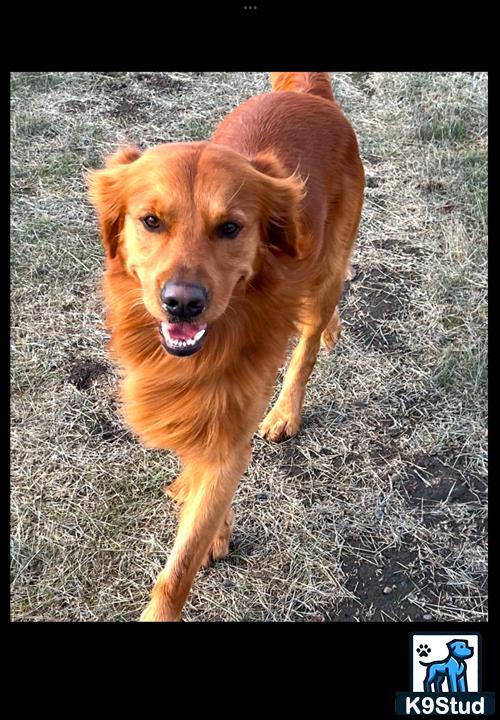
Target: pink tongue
[183,331]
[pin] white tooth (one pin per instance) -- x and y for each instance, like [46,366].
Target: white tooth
[199,335]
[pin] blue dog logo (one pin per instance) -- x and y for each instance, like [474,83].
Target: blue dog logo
[453,669]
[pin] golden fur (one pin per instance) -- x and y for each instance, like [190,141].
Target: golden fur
[286,166]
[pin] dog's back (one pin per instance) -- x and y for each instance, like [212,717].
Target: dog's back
[313,83]
[303,127]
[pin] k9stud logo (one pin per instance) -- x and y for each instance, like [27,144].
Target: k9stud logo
[445,663]
[445,676]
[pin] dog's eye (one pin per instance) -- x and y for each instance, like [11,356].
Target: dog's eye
[151,222]
[229,229]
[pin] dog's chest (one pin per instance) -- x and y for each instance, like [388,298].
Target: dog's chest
[180,417]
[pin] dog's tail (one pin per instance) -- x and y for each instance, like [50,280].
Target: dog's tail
[313,83]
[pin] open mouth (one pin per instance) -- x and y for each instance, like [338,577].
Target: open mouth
[181,338]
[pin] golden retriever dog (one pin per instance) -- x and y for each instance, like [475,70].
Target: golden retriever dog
[217,253]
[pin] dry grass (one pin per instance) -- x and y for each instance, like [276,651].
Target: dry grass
[377,510]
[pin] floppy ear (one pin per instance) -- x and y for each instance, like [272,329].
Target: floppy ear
[282,198]
[106,194]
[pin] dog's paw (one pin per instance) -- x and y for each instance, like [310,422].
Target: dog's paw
[331,334]
[329,338]
[219,548]
[156,612]
[350,273]
[423,650]
[277,427]
[177,490]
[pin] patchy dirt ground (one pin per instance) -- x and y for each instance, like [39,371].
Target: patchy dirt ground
[377,510]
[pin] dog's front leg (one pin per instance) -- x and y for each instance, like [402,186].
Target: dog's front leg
[205,506]
[452,681]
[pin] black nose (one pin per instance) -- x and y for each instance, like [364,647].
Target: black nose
[183,300]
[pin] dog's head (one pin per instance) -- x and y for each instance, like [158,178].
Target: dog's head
[459,649]
[191,222]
